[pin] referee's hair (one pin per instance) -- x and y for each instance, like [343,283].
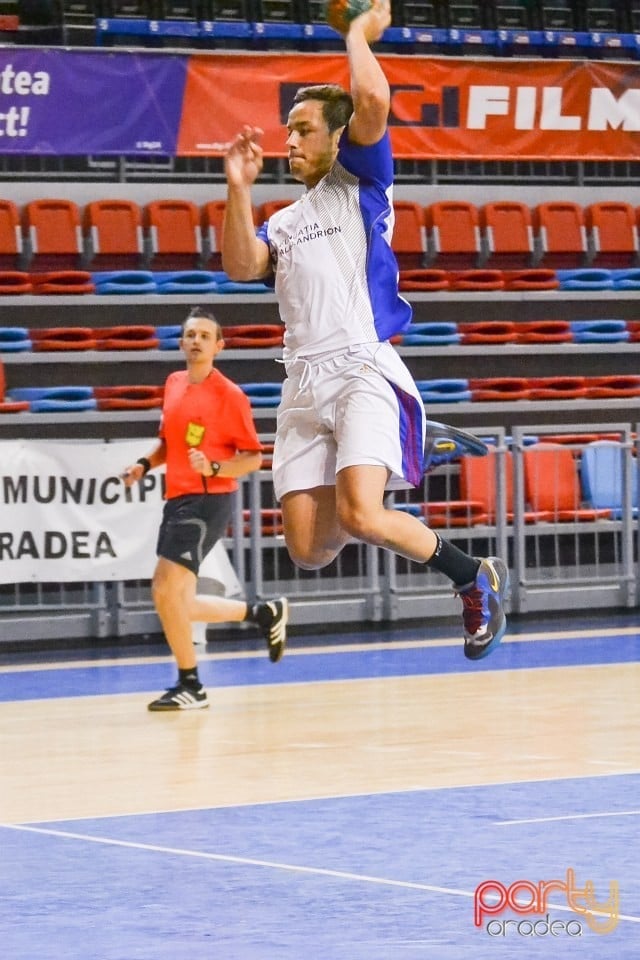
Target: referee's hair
[199,313]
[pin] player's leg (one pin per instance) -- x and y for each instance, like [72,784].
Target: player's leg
[312,532]
[270,616]
[362,514]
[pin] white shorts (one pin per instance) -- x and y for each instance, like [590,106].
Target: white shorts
[360,406]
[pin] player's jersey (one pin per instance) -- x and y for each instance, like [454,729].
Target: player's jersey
[336,276]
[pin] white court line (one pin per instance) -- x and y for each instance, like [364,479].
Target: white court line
[293,651]
[273,865]
[569,816]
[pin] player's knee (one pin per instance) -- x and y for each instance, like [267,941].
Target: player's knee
[310,557]
[359,523]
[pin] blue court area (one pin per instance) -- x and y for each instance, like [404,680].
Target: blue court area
[306,665]
[354,878]
[372,876]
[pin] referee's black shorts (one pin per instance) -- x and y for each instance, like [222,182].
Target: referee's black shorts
[191,525]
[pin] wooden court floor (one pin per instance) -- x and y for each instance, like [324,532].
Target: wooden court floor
[376,728]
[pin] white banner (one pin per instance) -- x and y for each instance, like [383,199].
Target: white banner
[65,514]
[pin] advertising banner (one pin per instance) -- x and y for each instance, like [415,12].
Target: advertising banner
[66,516]
[105,102]
[55,101]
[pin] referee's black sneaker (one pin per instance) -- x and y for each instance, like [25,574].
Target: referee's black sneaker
[180,697]
[272,618]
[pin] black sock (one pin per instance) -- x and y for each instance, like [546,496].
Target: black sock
[458,566]
[258,613]
[190,678]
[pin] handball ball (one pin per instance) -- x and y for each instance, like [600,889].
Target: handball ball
[340,13]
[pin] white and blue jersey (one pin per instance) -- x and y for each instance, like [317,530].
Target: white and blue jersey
[348,399]
[336,276]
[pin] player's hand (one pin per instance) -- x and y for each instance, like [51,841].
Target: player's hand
[373,22]
[132,474]
[243,159]
[199,462]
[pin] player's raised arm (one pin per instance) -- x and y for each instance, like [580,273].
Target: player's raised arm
[369,86]
[244,257]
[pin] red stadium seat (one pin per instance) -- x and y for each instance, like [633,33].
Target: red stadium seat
[14,282]
[557,388]
[454,513]
[544,331]
[477,280]
[552,483]
[613,234]
[424,279]
[114,228]
[478,477]
[66,282]
[49,339]
[55,235]
[174,234]
[560,233]
[507,235]
[409,238]
[499,389]
[11,243]
[488,331]
[128,398]
[453,235]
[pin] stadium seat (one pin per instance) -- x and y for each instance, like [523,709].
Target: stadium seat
[599,331]
[557,15]
[186,282]
[585,279]
[14,283]
[423,279]
[602,388]
[478,482]
[174,233]
[544,331]
[557,388]
[507,235]
[626,279]
[453,235]
[431,334]
[613,234]
[533,278]
[14,340]
[499,389]
[488,331]
[132,337]
[49,339]
[75,282]
[444,390]
[212,225]
[129,398]
[552,484]
[114,230]
[476,280]
[56,399]
[262,394]
[454,513]
[11,242]
[119,282]
[253,335]
[560,235]
[9,406]
[409,238]
[54,235]
[602,467]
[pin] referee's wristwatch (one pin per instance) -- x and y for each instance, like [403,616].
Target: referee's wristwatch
[215,468]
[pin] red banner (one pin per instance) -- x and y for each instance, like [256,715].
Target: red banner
[440,108]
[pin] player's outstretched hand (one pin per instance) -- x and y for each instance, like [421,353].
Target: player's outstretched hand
[374,21]
[243,159]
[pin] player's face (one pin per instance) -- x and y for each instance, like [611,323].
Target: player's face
[200,342]
[312,149]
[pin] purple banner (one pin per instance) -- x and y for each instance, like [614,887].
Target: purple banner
[65,102]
